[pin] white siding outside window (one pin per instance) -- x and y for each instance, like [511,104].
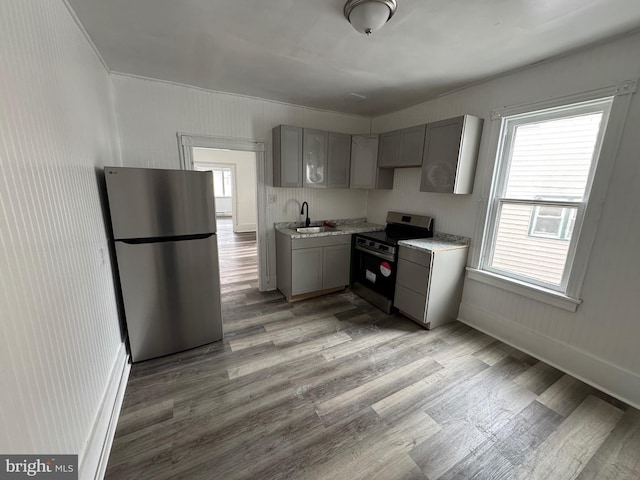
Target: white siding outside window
[547,160]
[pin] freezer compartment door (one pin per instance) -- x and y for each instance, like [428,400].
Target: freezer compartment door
[171,293]
[151,203]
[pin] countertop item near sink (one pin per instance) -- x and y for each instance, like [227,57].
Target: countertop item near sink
[439,241]
[347,226]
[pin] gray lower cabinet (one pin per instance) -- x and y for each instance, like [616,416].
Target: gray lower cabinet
[402,148]
[336,261]
[313,264]
[306,270]
[287,156]
[450,155]
[365,172]
[429,284]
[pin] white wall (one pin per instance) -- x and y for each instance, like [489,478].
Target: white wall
[60,340]
[150,113]
[244,184]
[223,206]
[599,342]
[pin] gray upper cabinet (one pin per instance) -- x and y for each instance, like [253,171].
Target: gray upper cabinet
[402,148]
[450,155]
[411,145]
[389,149]
[338,160]
[287,156]
[365,172]
[314,158]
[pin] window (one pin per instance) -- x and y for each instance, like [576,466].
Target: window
[552,222]
[221,181]
[546,164]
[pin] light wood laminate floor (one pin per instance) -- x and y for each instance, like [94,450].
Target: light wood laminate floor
[332,388]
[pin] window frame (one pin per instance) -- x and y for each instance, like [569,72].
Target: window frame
[498,193]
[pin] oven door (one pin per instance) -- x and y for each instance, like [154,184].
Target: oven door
[375,271]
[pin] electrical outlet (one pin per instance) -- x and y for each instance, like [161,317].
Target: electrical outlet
[101,255]
[272,198]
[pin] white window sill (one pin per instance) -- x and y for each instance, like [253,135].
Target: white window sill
[539,294]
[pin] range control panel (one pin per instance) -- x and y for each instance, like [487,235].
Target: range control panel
[365,243]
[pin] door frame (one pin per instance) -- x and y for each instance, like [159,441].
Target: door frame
[186,143]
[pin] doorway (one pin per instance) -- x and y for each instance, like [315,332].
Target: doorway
[235,188]
[240,229]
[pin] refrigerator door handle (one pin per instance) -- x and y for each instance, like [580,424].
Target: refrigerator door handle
[181,238]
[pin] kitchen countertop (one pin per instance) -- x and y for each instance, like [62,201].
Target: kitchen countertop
[440,241]
[347,226]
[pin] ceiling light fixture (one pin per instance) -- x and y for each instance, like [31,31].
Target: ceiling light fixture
[367,16]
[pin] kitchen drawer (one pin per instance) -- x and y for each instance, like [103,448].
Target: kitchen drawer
[422,257]
[413,276]
[410,302]
[325,241]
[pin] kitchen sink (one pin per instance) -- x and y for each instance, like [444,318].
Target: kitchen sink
[314,229]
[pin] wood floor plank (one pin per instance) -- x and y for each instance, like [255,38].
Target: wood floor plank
[578,438]
[406,432]
[379,388]
[538,378]
[618,458]
[284,355]
[565,395]
[499,456]
[446,448]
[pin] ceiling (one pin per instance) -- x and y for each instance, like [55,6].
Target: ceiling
[304,51]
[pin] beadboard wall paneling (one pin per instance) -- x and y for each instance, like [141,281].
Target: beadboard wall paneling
[150,113]
[606,326]
[60,332]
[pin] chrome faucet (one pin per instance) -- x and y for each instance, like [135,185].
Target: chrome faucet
[307,222]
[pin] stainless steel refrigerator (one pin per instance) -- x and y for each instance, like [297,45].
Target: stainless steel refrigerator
[167,254]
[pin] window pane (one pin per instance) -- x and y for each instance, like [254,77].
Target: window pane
[536,257]
[551,159]
[227,182]
[218,186]
[548,226]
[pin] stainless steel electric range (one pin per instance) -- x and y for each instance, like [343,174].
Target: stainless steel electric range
[376,255]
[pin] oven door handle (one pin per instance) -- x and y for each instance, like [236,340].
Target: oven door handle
[384,256]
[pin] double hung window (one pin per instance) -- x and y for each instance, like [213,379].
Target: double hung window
[546,165]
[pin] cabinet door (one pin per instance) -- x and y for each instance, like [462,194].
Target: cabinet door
[441,154]
[287,156]
[314,158]
[306,270]
[338,160]
[336,266]
[411,146]
[389,149]
[364,161]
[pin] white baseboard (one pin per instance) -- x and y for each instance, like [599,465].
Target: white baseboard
[93,461]
[244,227]
[618,382]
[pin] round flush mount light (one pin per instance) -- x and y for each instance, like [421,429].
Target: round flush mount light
[367,16]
